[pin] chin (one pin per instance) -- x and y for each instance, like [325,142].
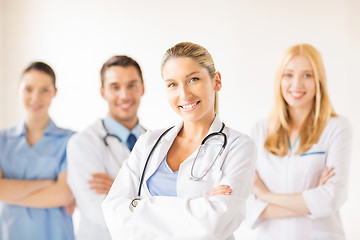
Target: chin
[191,118]
[126,117]
[37,115]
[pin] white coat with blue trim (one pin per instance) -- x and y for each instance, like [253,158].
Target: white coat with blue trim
[296,173]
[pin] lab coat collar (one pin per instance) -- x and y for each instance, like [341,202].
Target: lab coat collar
[50,129]
[216,125]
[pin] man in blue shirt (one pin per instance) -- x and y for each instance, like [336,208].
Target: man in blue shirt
[96,154]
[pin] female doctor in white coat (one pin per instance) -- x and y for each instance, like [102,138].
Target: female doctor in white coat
[303,156]
[188,191]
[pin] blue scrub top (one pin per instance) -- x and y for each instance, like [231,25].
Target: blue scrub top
[163,181]
[44,160]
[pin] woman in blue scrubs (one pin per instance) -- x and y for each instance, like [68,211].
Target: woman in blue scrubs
[35,201]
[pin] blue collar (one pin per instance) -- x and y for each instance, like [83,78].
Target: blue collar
[50,129]
[295,143]
[120,130]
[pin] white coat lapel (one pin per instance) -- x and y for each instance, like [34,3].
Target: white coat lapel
[216,125]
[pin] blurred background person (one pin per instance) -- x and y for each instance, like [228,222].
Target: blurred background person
[97,153]
[33,188]
[303,156]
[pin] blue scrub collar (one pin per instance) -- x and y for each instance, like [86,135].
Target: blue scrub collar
[50,129]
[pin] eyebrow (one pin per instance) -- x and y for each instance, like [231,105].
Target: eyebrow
[191,74]
[133,81]
[117,83]
[187,76]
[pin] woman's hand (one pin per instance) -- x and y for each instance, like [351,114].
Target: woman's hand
[259,188]
[70,207]
[221,190]
[101,183]
[326,174]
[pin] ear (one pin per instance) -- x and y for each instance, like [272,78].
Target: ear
[55,92]
[102,91]
[218,84]
[143,89]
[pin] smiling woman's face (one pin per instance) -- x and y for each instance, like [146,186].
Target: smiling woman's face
[298,83]
[36,93]
[190,89]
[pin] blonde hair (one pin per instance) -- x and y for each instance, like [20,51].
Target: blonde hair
[198,53]
[279,120]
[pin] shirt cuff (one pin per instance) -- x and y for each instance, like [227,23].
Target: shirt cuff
[254,208]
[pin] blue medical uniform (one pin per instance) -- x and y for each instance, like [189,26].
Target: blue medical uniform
[163,181]
[44,160]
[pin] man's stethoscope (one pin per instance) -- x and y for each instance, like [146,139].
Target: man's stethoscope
[108,134]
[135,201]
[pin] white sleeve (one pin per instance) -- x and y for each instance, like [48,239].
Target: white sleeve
[255,206]
[182,218]
[84,159]
[328,198]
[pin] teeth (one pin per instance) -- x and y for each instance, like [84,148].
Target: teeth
[297,94]
[124,105]
[189,106]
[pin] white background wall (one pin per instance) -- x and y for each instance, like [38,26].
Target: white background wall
[2,82]
[246,39]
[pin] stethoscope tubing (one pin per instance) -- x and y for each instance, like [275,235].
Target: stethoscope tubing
[148,159]
[108,134]
[202,143]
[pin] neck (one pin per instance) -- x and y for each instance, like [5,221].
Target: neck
[129,124]
[298,116]
[198,129]
[36,124]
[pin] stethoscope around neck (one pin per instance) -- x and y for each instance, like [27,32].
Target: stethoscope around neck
[135,201]
[108,134]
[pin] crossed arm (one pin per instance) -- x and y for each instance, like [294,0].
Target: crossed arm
[37,193]
[285,205]
[101,183]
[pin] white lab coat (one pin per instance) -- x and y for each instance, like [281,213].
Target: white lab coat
[191,215]
[296,173]
[87,154]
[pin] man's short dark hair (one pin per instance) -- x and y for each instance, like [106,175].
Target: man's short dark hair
[121,61]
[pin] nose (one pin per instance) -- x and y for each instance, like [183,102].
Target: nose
[185,92]
[35,96]
[124,93]
[297,79]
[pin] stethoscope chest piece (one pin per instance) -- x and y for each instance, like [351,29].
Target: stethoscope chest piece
[195,179]
[134,203]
